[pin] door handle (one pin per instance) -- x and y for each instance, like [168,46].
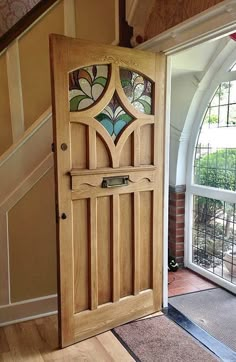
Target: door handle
[115,181]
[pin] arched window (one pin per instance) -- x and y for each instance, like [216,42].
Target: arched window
[214,184]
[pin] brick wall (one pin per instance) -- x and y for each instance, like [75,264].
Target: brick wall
[176,222]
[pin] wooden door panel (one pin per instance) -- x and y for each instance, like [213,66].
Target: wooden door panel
[108,106]
[126,155]
[81,243]
[146,238]
[102,152]
[126,243]
[79,145]
[87,324]
[104,247]
[146,140]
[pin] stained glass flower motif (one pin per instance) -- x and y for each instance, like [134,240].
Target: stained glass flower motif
[114,118]
[86,85]
[138,90]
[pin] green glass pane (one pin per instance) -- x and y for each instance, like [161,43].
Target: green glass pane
[114,118]
[138,90]
[86,86]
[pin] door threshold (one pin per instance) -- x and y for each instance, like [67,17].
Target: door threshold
[211,343]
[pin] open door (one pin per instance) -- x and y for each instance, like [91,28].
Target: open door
[108,110]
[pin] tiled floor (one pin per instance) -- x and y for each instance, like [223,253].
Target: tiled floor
[185,281]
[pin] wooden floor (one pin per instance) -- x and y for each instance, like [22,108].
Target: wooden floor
[36,341]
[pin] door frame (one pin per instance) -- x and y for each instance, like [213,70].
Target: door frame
[216,22]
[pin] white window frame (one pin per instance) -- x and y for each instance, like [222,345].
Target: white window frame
[205,191]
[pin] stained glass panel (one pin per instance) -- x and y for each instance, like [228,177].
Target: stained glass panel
[138,90]
[114,118]
[86,86]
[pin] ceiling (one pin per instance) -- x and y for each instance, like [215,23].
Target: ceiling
[194,59]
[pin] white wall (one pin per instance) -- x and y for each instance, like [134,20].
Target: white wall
[183,88]
[190,94]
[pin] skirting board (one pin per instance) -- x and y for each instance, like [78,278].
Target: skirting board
[28,309]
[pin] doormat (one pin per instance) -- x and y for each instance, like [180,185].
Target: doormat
[213,310]
[160,339]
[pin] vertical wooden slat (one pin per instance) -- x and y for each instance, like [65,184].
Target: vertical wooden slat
[61,130]
[104,246]
[5,115]
[116,247]
[92,149]
[127,153]
[146,239]
[93,254]
[157,254]
[69,18]
[126,245]
[81,255]
[136,243]
[146,140]
[158,191]
[116,41]
[137,147]
[15,91]
[102,153]
[79,145]
[4,257]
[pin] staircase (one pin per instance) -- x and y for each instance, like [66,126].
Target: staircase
[27,212]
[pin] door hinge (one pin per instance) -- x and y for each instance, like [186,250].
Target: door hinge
[53,147]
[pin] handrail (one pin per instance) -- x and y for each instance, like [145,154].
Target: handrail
[25,22]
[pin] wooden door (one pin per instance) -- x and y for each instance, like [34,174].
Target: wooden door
[108,106]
